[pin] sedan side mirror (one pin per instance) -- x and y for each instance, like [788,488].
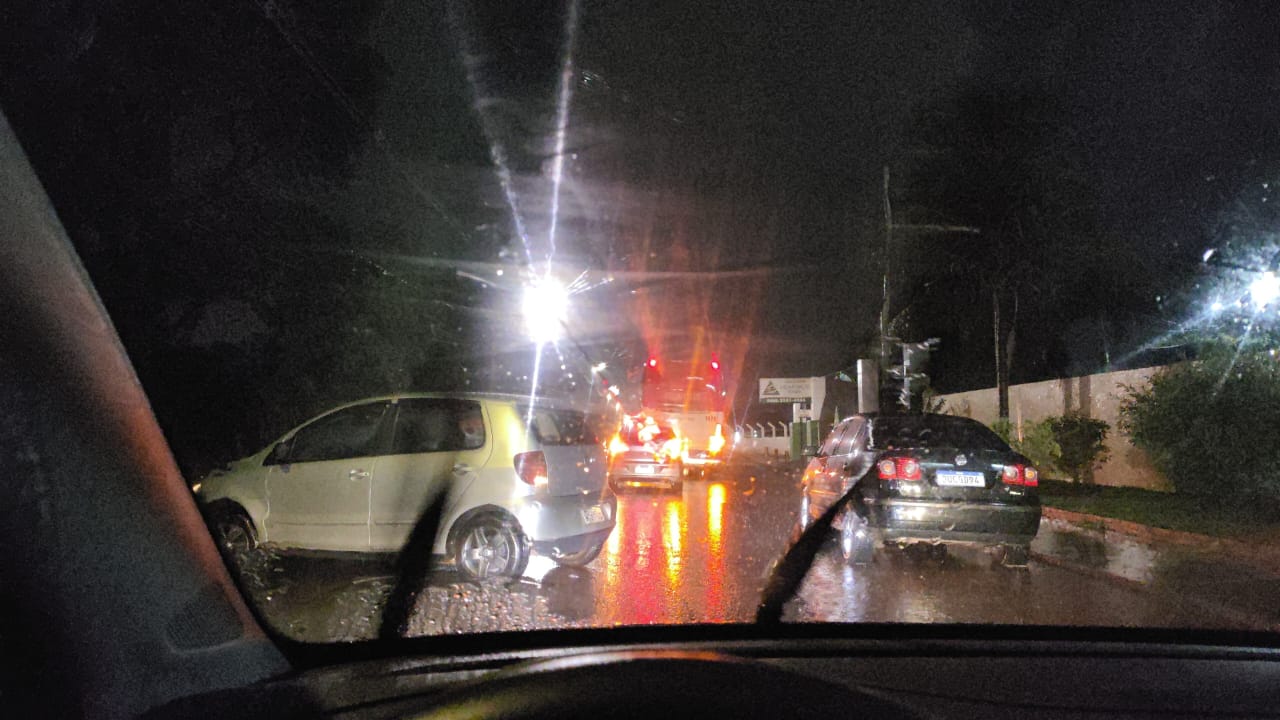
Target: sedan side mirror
[811,450]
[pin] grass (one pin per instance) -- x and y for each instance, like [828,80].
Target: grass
[1207,516]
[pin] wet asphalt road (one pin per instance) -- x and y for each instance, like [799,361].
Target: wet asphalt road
[702,555]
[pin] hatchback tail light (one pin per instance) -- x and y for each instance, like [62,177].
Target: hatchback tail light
[1024,475]
[902,468]
[617,446]
[532,468]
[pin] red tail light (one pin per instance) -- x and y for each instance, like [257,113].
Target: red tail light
[888,469]
[1025,475]
[899,469]
[1030,476]
[532,468]
[653,363]
[908,469]
[617,446]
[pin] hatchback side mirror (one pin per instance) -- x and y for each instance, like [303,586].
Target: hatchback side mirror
[811,450]
[279,454]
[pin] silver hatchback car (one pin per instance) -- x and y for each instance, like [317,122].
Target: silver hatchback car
[521,477]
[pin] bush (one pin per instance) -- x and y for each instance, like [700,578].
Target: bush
[1211,426]
[1038,443]
[1004,428]
[1082,442]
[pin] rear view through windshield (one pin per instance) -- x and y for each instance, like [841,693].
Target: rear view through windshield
[365,253]
[933,431]
[560,427]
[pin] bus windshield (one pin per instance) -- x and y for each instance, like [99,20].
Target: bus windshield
[676,385]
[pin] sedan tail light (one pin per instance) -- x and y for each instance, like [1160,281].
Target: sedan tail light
[532,468]
[888,469]
[902,468]
[1023,475]
[1030,477]
[908,469]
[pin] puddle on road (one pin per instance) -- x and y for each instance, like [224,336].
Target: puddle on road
[1115,554]
[1184,571]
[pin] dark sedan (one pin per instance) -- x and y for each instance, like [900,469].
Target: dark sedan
[927,479]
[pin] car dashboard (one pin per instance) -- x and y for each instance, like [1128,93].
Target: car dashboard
[919,676]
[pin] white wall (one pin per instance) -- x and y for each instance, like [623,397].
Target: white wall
[1097,396]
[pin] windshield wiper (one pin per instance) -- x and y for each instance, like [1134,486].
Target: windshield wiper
[413,566]
[787,575]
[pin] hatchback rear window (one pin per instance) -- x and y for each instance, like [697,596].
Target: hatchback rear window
[933,431]
[634,433]
[559,427]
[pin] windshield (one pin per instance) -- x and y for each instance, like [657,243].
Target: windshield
[559,427]
[933,431]
[384,264]
[674,386]
[638,434]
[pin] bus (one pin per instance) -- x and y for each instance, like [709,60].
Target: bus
[690,398]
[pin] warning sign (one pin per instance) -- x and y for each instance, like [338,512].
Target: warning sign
[786,390]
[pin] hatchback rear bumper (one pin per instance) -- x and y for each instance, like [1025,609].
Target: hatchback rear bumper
[573,544]
[702,461]
[552,519]
[645,473]
[904,521]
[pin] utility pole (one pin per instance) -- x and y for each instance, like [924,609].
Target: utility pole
[886,342]
[884,299]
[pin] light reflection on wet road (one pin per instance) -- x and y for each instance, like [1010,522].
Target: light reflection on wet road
[701,555]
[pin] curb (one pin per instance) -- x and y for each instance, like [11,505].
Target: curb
[1208,607]
[1238,551]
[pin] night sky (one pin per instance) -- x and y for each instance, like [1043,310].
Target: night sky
[286,205]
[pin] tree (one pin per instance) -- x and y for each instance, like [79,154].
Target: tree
[999,161]
[1209,425]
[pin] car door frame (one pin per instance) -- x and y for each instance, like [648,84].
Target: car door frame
[455,469]
[339,473]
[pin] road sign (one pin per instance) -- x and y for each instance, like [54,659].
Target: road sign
[786,390]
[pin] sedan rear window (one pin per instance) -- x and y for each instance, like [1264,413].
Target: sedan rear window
[559,427]
[924,431]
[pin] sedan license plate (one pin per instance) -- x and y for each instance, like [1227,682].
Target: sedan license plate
[947,478]
[593,514]
[644,469]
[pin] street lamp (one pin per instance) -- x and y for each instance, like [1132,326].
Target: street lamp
[1265,289]
[544,306]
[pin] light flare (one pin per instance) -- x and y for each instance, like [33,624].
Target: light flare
[563,99]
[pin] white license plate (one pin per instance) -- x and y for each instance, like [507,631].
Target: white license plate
[645,469]
[593,514]
[947,478]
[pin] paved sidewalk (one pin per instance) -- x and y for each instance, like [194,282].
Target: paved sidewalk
[1213,575]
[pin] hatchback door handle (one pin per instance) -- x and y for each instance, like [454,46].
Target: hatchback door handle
[462,468]
[358,475]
